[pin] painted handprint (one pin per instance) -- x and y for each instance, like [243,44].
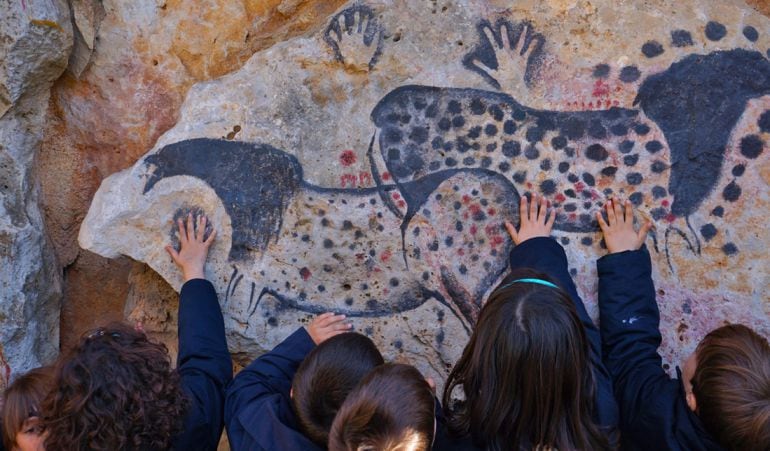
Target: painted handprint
[508,58]
[355,36]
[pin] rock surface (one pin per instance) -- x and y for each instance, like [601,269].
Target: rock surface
[35,41]
[369,170]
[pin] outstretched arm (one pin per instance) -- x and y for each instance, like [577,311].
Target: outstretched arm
[271,375]
[204,362]
[629,321]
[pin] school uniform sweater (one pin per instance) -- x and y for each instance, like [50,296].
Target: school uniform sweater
[258,408]
[204,365]
[545,255]
[653,407]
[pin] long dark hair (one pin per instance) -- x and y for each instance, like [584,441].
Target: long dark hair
[115,390]
[525,373]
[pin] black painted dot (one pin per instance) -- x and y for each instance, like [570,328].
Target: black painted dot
[626,146]
[658,213]
[491,147]
[328,244]
[490,129]
[433,246]
[597,152]
[434,165]
[469,161]
[659,192]
[520,176]
[619,130]
[636,198]
[573,178]
[486,162]
[563,167]
[718,211]
[569,151]
[450,162]
[629,74]
[732,192]
[272,321]
[475,192]
[708,231]
[321,288]
[609,171]
[532,153]
[504,166]
[305,238]
[511,149]
[764,121]
[634,178]
[419,135]
[474,132]
[586,241]
[738,170]
[587,205]
[641,129]
[392,135]
[463,269]
[458,121]
[545,164]
[459,226]
[444,124]
[519,115]
[653,146]
[535,134]
[496,112]
[681,38]
[651,49]
[509,127]
[589,179]
[601,71]
[564,240]
[587,194]
[573,272]
[558,142]
[570,207]
[658,166]
[454,107]
[597,130]
[425,275]
[751,33]
[715,31]
[730,249]
[348,301]
[477,106]
[548,187]
[462,145]
[751,146]
[437,142]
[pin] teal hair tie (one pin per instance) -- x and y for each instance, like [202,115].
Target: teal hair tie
[537,281]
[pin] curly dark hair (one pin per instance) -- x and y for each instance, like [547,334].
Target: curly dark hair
[116,390]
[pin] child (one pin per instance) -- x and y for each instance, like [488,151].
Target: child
[391,409]
[531,374]
[22,429]
[721,401]
[117,390]
[287,398]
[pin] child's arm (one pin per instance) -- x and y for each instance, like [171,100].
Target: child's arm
[203,363]
[272,373]
[629,321]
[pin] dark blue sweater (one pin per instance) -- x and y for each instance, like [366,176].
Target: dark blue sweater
[204,365]
[258,409]
[653,409]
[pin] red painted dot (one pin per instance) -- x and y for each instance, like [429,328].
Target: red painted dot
[385,256]
[386,175]
[670,217]
[560,198]
[396,196]
[664,203]
[466,199]
[491,211]
[347,158]
[305,273]
[474,229]
[401,204]
[496,240]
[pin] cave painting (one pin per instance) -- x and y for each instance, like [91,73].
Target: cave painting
[449,165]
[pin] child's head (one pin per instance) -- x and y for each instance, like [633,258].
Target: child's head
[525,373]
[727,381]
[326,376]
[114,390]
[392,409]
[22,428]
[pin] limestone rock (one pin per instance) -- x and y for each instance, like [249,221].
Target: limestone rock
[35,40]
[367,167]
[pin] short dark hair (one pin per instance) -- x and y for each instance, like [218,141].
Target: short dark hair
[525,374]
[114,390]
[392,409]
[326,376]
[22,400]
[731,384]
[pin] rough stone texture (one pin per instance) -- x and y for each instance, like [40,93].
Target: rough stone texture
[35,40]
[331,163]
[130,70]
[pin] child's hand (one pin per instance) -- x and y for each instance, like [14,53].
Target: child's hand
[327,325]
[193,249]
[534,221]
[619,234]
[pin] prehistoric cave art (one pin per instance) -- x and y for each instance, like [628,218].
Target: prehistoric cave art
[449,164]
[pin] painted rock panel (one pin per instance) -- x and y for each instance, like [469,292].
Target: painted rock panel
[368,168]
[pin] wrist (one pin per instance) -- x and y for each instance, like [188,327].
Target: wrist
[193,273]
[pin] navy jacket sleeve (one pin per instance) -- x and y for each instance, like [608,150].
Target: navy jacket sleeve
[204,364]
[258,402]
[545,255]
